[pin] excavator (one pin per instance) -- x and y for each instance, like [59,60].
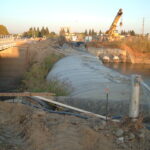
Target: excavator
[112,34]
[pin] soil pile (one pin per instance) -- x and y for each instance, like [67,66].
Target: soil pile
[25,128]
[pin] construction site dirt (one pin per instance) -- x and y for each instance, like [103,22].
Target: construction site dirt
[23,127]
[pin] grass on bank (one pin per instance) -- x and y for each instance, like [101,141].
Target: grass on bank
[35,79]
[138,44]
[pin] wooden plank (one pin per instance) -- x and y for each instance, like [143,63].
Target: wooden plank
[27,94]
[76,109]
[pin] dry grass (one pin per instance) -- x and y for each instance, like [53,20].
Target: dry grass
[138,44]
[131,125]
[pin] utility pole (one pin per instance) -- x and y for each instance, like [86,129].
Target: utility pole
[143,26]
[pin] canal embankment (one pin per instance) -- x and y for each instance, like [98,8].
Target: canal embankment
[90,80]
[12,66]
[135,50]
[25,66]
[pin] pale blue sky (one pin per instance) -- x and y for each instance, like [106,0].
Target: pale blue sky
[19,15]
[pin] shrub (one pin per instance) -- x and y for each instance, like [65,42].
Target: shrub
[34,79]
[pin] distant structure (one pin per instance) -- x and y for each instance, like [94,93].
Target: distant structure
[65,31]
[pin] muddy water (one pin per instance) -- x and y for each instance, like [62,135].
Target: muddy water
[128,69]
[12,67]
[89,78]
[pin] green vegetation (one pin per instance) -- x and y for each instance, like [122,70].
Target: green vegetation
[3,30]
[34,80]
[36,32]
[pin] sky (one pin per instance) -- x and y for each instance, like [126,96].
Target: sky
[19,15]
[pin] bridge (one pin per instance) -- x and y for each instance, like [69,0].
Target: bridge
[6,41]
[6,45]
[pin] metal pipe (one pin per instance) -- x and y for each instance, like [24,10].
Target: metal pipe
[75,109]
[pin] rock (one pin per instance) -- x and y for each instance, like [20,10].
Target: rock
[65,46]
[97,124]
[119,132]
[106,59]
[120,140]
[115,59]
[124,146]
[100,126]
[141,133]
[131,136]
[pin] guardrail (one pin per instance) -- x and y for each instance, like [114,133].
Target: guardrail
[5,46]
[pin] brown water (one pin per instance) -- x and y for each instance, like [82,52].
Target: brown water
[128,69]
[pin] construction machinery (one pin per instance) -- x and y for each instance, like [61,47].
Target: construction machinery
[112,33]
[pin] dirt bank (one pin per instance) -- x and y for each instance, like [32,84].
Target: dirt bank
[12,66]
[22,128]
[16,60]
[42,55]
[137,49]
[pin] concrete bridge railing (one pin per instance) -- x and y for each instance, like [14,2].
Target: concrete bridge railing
[5,46]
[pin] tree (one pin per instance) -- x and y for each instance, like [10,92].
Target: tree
[34,32]
[68,30]
[86,32]
[132,33]
[100,32]
[43,31]
[90,32]
[30,32]
[52,34]
[3,30]
[46,31]
[25,34]
[93,32]
[38,32]
[62,32]
[123,32]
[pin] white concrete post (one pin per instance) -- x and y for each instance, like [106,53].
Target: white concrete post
[134,103]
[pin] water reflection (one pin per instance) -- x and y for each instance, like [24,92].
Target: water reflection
[128,69]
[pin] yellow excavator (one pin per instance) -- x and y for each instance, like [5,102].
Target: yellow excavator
[112,33]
